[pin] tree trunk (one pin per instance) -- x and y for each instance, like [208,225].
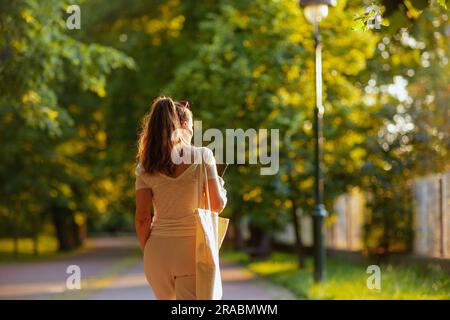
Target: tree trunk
[16,221]
[81,234]
[238,238]
[265,244]
[67,230]
[297,225]
[298,240]
[260,242]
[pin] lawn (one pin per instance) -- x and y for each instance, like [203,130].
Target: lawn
[346,280]
[47,248]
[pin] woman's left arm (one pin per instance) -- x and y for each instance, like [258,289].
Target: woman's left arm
[143,217]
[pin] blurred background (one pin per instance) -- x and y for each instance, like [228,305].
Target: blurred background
[71,102]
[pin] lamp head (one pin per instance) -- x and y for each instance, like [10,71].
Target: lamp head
[316,10]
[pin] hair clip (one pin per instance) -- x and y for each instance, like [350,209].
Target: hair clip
[184,103]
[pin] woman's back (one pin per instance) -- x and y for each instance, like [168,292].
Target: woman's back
[175,198]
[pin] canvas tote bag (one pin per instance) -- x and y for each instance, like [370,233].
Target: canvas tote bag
[210,233]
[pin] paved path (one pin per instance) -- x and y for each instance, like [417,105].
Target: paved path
[111,268]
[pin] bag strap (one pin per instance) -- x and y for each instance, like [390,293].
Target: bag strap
[203,172]
[206,186]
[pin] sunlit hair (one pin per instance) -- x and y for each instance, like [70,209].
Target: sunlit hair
[158,135]
[184,114]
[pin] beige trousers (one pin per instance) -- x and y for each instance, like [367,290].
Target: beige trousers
[169,265]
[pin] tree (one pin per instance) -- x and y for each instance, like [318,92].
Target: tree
[39,58]
[407,91]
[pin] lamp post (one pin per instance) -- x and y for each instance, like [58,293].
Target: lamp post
[315,11]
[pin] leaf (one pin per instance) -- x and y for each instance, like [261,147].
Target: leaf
[419,4]
[359,26]
[443,3]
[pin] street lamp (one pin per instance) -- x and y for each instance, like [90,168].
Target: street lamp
[316,11]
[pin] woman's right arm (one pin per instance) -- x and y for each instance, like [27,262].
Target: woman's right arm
[217,194]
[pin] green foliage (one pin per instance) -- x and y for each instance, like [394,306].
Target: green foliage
[38,55]
[39,147]
[409,135]
[396,14]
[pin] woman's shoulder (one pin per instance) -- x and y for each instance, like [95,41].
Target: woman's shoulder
[139,170]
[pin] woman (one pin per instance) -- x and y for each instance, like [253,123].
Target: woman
[168,240]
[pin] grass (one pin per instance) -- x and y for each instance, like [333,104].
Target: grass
[47,249]
[346,280]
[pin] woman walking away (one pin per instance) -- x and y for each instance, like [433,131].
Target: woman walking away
[167,238]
